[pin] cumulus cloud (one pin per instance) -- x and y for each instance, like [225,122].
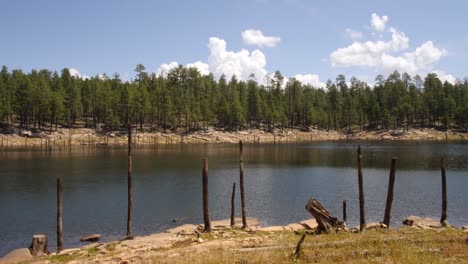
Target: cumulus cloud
[202,67]
[444,77]
[166,67]
[386,56]
[353,34]
[310,79]
[75,73]
[378,22]
[256,37]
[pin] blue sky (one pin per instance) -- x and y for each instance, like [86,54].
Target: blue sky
[96,37]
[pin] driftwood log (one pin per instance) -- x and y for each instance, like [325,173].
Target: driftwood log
[39,245]
[326,222]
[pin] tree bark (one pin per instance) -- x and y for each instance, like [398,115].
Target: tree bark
[233,199]
[391,182]
[129,184]
[241,180]
[39,245]
[362,219]
[326,222]
[443,219]
[59,216]
[206,213]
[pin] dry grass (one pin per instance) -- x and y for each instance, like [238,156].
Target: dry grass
[403,246]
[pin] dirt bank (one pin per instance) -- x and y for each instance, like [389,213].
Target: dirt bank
[63,138]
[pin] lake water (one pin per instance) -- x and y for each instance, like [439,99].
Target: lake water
[279,179]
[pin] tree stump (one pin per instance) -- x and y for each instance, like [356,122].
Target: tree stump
[326,222]
[39,245]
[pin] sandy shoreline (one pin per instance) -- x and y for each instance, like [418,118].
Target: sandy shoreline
[75,137]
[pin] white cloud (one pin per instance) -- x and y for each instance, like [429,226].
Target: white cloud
[201,66]
[256,37]
[353,34]
[311,79]
[444,77]
[368,53]
[386,56]
[75,73]
[378,22]
[241,63]
[165,68]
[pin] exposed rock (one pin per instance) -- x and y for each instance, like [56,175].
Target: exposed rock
[16,256]
[420,222]
[272,228]
[187,228]
[294,227]
[90,246]
[91,238]
[309,224]
[464,227]
[375,225]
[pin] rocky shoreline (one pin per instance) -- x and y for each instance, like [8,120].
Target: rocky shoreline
[63,138]
[173,242]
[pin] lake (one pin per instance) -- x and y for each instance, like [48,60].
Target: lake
[279,180]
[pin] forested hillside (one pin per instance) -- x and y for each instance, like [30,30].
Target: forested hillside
[183,100]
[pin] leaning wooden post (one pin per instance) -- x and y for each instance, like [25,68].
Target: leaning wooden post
[233,198]
[344,211]
[129,182]
[59,215]
[391,182]
[206,213]
[361,192]
[443,219]
[241,180]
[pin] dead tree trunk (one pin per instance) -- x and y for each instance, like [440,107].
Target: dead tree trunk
[241,180]
[39,245]
[344,211]
[129,184]
[233,199]
[391,182]
[443,219]
[326,222]
[206,213]
[362,219]
[59,216]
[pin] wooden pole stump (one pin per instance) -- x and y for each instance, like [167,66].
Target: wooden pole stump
[362,219]
[39,245]
[241,180]
[326,222]
[233,199]
[344,211]
[129,184]
[443,218]
[391,182]
[206,213]
[59,216]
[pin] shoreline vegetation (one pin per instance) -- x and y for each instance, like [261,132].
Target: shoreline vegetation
[419,240]
[64,137]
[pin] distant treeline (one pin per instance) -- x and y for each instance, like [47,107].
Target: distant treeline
[183,99]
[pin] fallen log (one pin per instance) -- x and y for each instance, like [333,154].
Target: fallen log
[326,222]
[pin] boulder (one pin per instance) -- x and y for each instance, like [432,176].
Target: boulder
[91,238]
[309,224]
[16,256]
[420,222]
[294,227]
[272,228]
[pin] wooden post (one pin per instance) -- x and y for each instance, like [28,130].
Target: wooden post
[391,182]
[129,184]
[241,180]
[206,213]
[59,215]
[298,251]
[233,197]
[443,219]
[39,245]
[344,211]
[362,220]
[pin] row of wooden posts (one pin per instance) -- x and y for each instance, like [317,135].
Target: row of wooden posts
[391,183]
[206,215]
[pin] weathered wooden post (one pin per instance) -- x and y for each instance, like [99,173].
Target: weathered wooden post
[206,213]
[344,211]
[362,219]
[233,198]
[391,182]
[129,183]
[443,219]
[241,180]
[39,245]
[59,215]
